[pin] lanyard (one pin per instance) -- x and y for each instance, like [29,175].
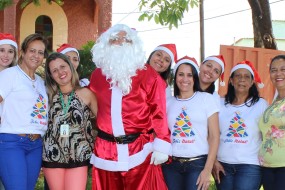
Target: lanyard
[64,106]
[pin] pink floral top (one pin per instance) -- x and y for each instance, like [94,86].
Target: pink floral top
[272,126]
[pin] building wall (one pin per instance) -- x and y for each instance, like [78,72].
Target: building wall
[261,59]
[278,32]
[81,21]
[80,18]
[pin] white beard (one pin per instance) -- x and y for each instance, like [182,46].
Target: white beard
[119,63]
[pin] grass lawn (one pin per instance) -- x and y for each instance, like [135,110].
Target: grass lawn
[40,183]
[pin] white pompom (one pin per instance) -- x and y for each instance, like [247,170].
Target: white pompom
[222,83]
[260,85]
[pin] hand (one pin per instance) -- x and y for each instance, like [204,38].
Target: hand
[216,171]
[203,180]
[158,158]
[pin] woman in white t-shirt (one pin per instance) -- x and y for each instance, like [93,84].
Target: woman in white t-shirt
[237,166]
[193,121]
[211,69]
[8,58]
[161,59]
[24,116]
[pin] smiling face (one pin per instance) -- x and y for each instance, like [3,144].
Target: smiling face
[60,72]
[7,55]
[160,61]
[242,80]
[34,55]
[277,73]
[73,57]
[184,79]
[210,71]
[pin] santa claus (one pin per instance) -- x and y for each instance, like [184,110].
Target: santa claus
[133,137]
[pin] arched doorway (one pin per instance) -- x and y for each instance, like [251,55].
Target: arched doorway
[31,13]
[43,25]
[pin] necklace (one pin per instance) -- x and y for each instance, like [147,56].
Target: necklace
[32,80]
[65,106]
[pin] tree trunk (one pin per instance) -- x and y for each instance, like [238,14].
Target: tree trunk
[262,25]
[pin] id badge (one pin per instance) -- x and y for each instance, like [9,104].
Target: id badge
[64,130]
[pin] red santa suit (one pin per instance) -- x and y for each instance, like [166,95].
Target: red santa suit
[127,166]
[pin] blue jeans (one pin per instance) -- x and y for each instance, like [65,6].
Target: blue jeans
[273,178]
[183,176]
[20,161]
[240,177]
[1,186]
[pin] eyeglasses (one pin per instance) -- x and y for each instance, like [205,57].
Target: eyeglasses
[120,40]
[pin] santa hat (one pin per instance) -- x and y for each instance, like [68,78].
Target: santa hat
[221,61]
[64,48]
[170,49]
[249,66]
[188,60]
[8,39]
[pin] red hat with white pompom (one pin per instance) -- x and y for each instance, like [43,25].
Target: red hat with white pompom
[170,49]
[221,61]
[64,48]
[249,66]
[6,38]
[188,60]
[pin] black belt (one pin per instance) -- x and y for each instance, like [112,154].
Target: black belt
[182,159]
[123,139]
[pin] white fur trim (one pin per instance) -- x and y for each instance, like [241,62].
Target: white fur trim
[217,60]
[116,112]
[131,162]
[260,85]
[68,50]
[185,61]
[10,42]
[242,66]
[162,146]
[167,51]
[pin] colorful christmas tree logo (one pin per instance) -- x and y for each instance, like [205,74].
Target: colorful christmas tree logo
[183,126]
[237,127]
[39,111]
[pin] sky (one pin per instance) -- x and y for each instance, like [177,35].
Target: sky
[226,21]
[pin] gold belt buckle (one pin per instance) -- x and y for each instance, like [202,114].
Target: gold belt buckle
[119,139]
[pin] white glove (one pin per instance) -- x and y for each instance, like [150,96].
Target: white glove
[158,158]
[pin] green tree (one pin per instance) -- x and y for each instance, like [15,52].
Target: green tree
[86,65]
[24,3]
[166,12]
[170,13]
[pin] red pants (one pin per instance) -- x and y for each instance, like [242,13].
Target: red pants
[142,177]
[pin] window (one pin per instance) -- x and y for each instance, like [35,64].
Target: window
[44,27]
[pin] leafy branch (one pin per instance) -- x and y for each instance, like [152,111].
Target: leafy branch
[166,12]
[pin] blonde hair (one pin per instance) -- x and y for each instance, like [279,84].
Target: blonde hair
[52,86]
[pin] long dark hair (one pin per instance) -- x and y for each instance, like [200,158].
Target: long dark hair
[164,75]
[195,74]
[211,88]
[252,93]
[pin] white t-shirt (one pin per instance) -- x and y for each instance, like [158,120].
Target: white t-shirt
[168,92]
[188,123]
[25,103]
[217,98]
[240,137]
